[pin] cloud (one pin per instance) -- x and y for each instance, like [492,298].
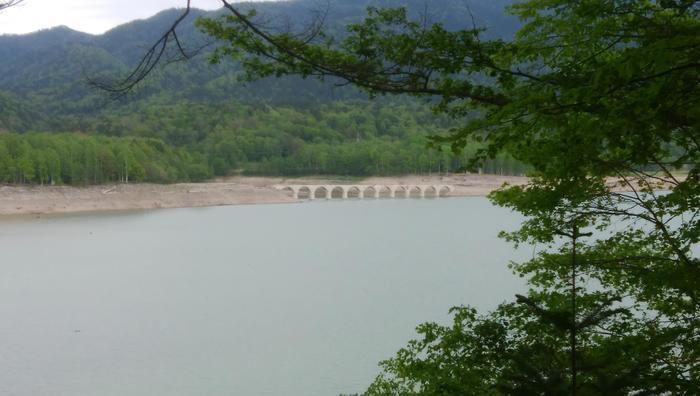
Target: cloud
[92,16]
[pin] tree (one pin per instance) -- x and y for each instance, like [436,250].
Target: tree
[602,100]
[26,168]
[586,91]
[6,165]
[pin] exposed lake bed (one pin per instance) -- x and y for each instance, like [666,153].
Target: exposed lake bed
[19,200]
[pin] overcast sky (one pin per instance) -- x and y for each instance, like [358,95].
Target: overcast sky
[92,16]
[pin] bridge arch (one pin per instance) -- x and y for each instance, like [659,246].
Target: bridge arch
[385,192]
[338,193]
[415,192]
[304,192]
[353,192]
[369,192]
[430,192]
[321,192]
[444,191]
[401,192]
[291,191]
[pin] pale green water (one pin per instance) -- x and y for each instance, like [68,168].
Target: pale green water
[249,300]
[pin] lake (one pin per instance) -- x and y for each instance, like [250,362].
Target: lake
[299,299]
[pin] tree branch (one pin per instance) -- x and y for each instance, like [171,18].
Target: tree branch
[148,61]
[9,3]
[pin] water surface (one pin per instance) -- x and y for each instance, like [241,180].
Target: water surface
[300,299]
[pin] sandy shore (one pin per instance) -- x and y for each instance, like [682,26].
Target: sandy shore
[18,200]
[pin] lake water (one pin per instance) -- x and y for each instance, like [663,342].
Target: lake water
[301,299]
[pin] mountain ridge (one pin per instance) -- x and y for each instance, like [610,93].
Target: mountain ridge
[49,68]
[192,120]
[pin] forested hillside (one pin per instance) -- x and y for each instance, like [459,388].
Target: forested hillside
[204,113]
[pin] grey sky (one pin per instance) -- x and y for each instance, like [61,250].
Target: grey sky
[92,16]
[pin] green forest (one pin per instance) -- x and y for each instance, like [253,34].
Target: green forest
[72,158]
[188,141]
[193,121]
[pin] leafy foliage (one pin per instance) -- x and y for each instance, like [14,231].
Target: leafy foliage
[602,99]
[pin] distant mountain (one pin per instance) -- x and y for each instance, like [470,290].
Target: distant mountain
[191,120]
[47,70]
[17,115]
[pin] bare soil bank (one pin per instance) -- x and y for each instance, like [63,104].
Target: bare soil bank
[17,200]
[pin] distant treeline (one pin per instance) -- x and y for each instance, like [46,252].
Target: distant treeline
[68,158]
[376,157]
[162,143]
[355,138]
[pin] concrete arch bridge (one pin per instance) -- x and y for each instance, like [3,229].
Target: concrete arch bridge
[365,191]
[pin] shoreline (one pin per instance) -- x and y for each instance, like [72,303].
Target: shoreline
[47,200]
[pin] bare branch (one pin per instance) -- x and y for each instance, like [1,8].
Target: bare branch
[269,45]
[149,60]
[9,3]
